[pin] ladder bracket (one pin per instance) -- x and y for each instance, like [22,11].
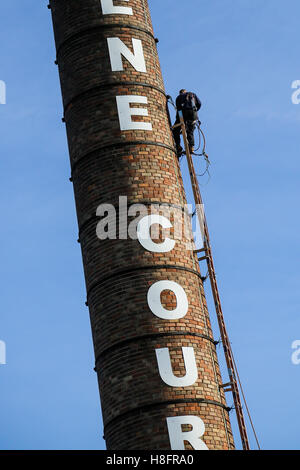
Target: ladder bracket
[226,385]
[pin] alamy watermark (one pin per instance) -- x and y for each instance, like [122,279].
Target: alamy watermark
[2,353]
[2,92]
[296,94]
[165,223]
[296,354]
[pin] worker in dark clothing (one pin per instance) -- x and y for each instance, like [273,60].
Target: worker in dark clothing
[189,104]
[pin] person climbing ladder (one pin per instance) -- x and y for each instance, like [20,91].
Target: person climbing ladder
[189,104]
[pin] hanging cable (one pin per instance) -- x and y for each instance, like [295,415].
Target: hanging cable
[170,100]
[244,398]
[201,137]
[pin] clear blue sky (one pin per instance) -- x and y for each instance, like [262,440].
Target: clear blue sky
[241,57]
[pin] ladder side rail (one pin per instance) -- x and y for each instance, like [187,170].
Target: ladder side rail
[228,354]
[215,292]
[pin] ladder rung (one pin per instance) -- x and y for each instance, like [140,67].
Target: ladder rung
[203,258]
[199,251]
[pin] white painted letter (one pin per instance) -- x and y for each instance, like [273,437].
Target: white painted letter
[144,237]
[125,112]
[296,94]
[177,436]
[166,372]
[156,307]
[108,8]
[117,49]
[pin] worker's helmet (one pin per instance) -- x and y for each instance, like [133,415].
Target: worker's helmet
[183,90]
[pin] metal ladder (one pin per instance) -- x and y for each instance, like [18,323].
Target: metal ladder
[232,385]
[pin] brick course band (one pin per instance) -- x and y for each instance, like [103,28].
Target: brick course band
[141,365]
[100,28]
[109,85]
[121,144]
[150,337]
[164,403]
[93,218]
[144,267]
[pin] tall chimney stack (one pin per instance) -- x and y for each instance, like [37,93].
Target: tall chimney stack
[155,354]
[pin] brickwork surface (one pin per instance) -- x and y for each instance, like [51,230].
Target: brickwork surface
[107,163]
